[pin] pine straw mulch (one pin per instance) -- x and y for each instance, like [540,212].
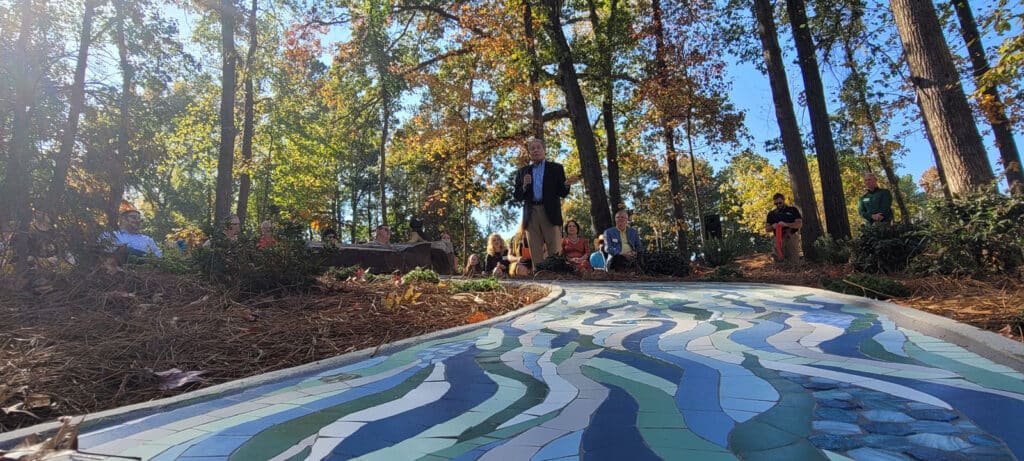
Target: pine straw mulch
[995,304]
[88,343]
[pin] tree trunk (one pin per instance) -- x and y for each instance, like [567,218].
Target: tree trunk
[249,122]
[837,221]
[226,156]
[995,111]
[16,206]
[385,118]
[941,96]
[943,182]
[671,157]
[76,102]
[117,164]
[608,94]
[877,144]
[355,215]
[799,173]
[693,169]
[537,107]
[590,166]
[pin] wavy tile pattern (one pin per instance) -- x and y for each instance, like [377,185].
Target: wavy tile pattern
[623,371]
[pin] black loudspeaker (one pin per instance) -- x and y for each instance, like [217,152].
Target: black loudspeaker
[712,226]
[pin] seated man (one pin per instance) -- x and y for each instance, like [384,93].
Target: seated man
[128,234]
[382,236]
[622,243]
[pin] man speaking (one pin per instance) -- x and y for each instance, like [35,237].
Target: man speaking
[541,186]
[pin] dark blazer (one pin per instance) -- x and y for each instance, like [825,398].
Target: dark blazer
[553,191]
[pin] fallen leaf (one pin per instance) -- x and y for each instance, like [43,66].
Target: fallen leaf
[33,401]
[175,378]
[18,408]
[199,301]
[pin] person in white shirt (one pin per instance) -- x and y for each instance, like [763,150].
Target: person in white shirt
[128,234]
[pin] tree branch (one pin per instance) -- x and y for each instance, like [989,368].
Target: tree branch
[442,13]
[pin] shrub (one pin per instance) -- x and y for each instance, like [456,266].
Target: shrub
[173,261]
[420,274]
[665,263]
[486,284]
[289,265]
[722,274]
[343,273]
[981,234]
[717,252]
[887,249]
[831,250]
[868,286]
[557,263]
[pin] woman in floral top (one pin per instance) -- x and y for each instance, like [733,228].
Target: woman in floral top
[575,248]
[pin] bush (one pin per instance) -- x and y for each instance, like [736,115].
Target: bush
[173,261]
[420,274]
[343,273]
[722,274]
[868,286]
[665,263]
[289,265]
[981,234]
[557,263]
[487,284]
[832,251]
[718,252]
[887,249]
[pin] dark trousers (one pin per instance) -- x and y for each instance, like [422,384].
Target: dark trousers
[621,263]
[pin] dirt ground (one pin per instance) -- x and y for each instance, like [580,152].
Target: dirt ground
[82,345]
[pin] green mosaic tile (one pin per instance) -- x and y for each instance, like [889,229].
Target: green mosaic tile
[803,451]
[660,419]
[564,353]
[301,455]
[874,349]
[722,325]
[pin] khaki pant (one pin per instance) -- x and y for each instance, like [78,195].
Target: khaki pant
[540,232]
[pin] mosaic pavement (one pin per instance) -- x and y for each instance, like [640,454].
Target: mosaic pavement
[617,371]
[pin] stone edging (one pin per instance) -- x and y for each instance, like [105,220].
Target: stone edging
[121,414]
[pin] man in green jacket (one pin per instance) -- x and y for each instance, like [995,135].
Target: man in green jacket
[875,205]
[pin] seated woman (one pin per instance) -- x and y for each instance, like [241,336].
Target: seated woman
[519,255]
[574,248]
[472,266]
[496,260]
[597,257]
[229,233]
[329,238]
[266,235]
